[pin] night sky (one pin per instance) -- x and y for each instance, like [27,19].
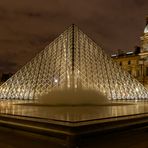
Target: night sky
[27,26]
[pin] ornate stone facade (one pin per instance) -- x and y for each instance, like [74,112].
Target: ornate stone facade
[136,63]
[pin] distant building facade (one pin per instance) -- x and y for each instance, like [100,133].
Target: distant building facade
[136,62]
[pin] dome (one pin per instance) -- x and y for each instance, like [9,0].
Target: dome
[146,29]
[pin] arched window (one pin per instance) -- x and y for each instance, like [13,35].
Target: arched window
[120,63]
[129,62]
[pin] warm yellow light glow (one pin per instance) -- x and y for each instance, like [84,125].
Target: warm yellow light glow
[72,60]
[146,29]
[56,80]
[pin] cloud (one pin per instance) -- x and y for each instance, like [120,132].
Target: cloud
[27,26]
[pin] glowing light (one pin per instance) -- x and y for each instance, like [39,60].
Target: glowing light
[146,29]
[56,80]
[113,55]
[130,52]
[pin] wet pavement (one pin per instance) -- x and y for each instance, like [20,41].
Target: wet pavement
[130,137]
[72,113]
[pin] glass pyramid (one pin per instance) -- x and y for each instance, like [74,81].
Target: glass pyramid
[72,60]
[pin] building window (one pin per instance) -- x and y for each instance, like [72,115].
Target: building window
[146,71]
[120,63]
[138,73]
[129,62]
[129,71]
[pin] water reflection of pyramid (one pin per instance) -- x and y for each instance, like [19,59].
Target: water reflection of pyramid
[71,60]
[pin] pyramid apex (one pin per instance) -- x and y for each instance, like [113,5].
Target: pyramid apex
[73,25]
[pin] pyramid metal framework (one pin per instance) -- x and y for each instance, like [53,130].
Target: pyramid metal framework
[72,60]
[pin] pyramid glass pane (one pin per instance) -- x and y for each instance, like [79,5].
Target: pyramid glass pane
[72,60]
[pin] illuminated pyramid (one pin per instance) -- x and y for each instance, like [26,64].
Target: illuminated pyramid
[72,60]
